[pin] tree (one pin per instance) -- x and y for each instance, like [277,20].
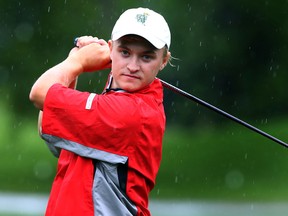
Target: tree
[232,54]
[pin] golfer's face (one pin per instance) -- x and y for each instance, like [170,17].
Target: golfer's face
[135,63]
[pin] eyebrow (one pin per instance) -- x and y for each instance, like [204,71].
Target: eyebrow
[148,51]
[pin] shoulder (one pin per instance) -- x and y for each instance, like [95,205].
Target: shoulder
[118,102]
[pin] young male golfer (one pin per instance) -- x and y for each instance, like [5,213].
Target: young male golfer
[109,145]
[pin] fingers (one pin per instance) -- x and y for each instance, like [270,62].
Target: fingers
[86,40]
[92,56]
[102,42]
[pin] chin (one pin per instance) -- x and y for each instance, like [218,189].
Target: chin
[131,88]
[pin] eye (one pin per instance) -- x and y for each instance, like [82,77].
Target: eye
[124,53]
[147,58]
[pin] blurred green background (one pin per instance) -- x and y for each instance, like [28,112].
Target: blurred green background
[230,53]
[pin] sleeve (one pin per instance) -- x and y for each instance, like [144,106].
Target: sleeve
[90,125]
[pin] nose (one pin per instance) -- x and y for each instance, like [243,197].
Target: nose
[133,65]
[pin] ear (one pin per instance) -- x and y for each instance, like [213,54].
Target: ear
[110,44]
[165,61]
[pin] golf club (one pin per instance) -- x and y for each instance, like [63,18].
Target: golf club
[199,101]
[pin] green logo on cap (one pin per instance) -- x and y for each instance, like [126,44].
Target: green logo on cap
[142,18]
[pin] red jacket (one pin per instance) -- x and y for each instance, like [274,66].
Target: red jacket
[111,148]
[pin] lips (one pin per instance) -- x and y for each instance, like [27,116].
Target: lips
[131,76]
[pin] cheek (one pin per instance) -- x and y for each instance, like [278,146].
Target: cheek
[116,62]
[156,69]
[151,74]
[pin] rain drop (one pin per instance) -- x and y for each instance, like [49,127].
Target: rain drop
[176,179]
[213,79]
[158,191]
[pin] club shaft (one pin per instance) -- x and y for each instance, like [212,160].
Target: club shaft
[199,101]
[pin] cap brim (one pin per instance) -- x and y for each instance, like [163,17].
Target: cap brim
[159,44]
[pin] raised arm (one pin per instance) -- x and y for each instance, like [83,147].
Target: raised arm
[92,55]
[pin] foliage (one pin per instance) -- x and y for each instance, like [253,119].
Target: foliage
[25,162]
[211,162]
[223,163]
[231,53]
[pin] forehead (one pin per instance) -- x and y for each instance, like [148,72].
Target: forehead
[135,40]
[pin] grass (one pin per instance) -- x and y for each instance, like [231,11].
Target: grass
[26,164]
[223,161]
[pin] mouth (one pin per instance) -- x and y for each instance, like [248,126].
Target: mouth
[131,76]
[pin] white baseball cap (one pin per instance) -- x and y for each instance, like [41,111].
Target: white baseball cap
[145,23]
